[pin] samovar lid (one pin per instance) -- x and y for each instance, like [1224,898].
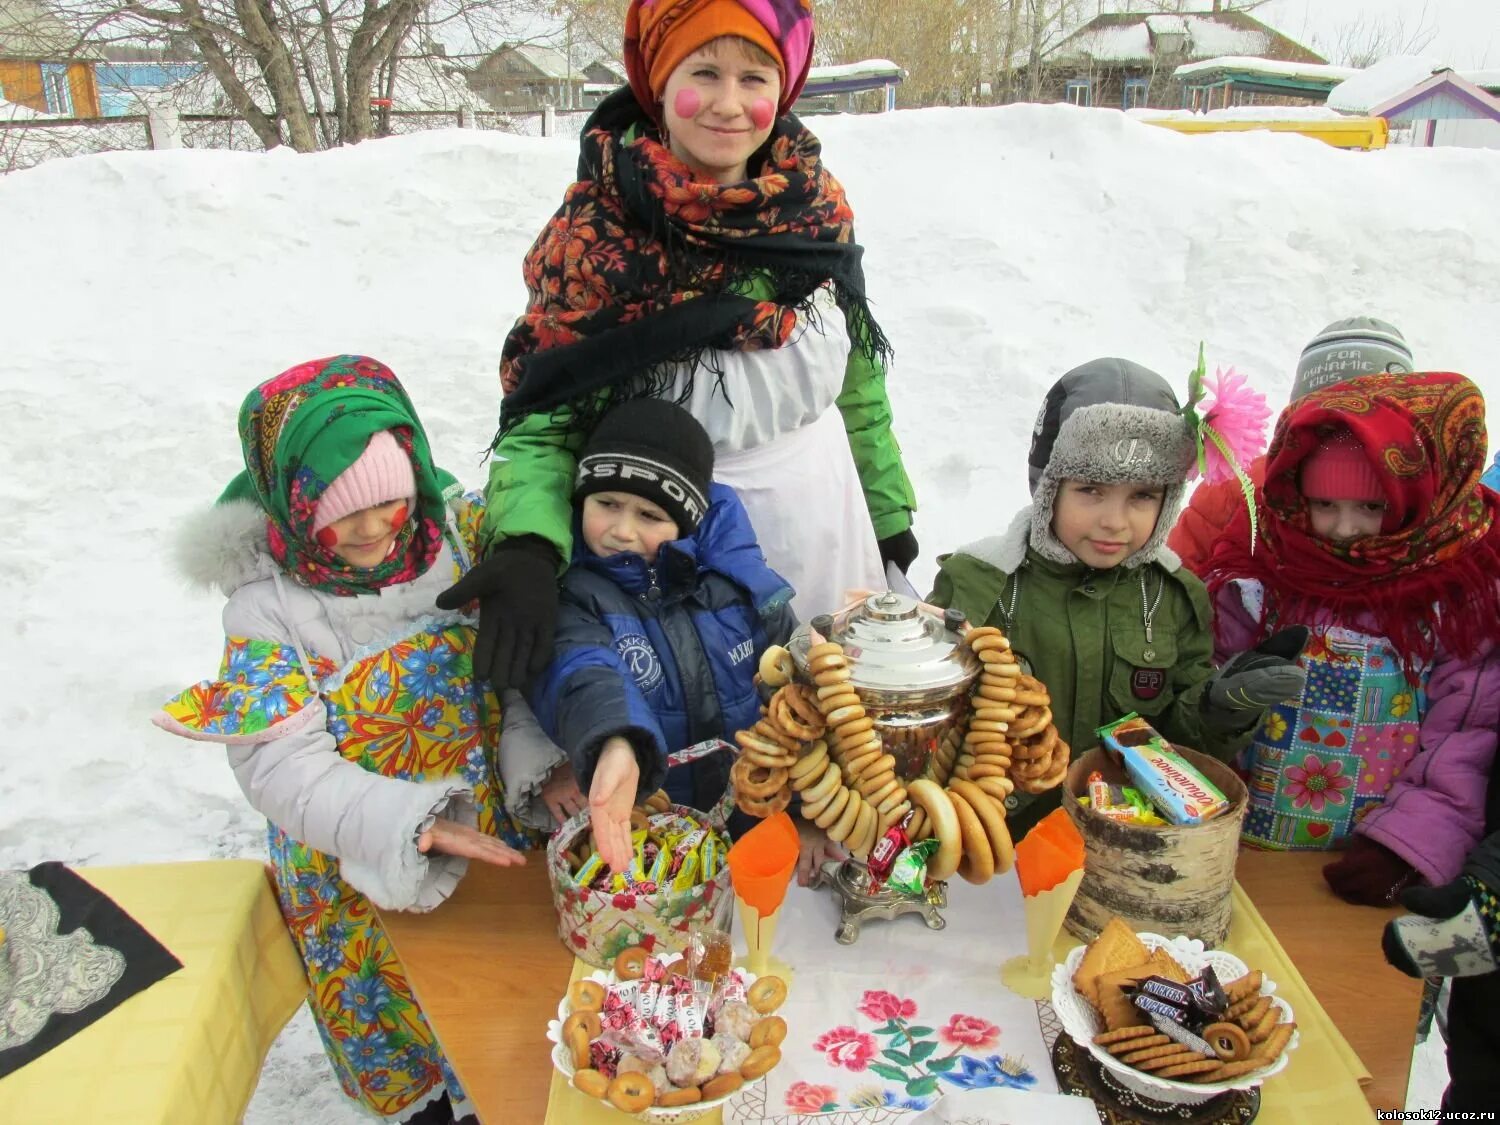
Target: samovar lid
[894,643]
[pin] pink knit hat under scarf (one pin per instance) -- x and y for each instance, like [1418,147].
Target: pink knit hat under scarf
[382,473]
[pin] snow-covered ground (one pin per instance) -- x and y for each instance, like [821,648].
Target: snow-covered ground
[144,293]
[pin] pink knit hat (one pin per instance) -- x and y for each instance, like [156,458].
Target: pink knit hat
[383,473]
[1339,470]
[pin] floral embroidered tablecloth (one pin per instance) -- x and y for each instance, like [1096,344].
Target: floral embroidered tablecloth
[887,1026]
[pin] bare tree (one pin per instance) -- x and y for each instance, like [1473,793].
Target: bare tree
[1368,39]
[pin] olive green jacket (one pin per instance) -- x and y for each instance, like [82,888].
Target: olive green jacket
[530,488]
[1083,634]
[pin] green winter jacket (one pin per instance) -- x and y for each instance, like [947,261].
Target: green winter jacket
[1083,633]
[531,482]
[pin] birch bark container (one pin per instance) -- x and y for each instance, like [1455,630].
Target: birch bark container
[1170,879]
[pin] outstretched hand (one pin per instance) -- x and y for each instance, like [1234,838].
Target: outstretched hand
[447,837]
[617,775]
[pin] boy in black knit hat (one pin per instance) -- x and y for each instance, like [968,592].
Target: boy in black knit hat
[665,611]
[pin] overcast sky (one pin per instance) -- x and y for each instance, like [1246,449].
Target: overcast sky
[1467,31]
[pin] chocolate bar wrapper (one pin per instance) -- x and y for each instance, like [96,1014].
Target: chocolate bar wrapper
[1176,787]
[1180,1034]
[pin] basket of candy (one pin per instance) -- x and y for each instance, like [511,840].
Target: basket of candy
[669,1038]
[678,880]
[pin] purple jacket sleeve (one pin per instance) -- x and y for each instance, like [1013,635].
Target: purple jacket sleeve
[1235,628]
[1434,814]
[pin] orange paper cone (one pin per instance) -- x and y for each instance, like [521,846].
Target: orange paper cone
[762,862]
[1049,853]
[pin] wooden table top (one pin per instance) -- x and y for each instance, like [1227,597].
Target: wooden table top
[489,970]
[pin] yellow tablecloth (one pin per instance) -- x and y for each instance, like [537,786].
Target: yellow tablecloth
[1320,1082]
[189,1048]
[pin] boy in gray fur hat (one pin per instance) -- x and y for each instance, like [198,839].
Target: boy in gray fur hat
[1087,591]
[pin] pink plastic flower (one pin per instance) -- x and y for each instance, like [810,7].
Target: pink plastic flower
[1238,414]
[887,1006]
[804,1097]
[970,1031]
[846,1047]
[1316,783]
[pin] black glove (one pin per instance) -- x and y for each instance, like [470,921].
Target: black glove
[517,592]
[1447,933]
[900,549]
[1266,675]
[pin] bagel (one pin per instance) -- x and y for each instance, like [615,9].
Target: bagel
[763,807]
[885,819]
[811,810]
[823,786]
[992,817]
[766,994]
[982,631]
[862,839]
[771,730]
[997,787]
[592,1025]
[858,762]
[753,781]
[916,828]
[892,800]
[979,726]
[786,719]
[770,1031]
[804,707]
[845,698]
[630,964]
[722,1085]
[832,691]
[846,714]
[988,643]
[847,819]
[827,661]
[877,794]
[832,809]
[761,757]
[577,1042]
[978,863]
[995,693]
[1002,671]
[591,1082]
[760,1061]
[631,1092]
[825,648]
[586,996]
[1036,726]
[860,746]
[832,676]
[813,760]
[993,714]
[935,803]
[776,667]
[679,1096]
[988,769]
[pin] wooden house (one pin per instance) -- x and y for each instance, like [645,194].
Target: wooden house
[1126,60]
[527,76]
[41,65]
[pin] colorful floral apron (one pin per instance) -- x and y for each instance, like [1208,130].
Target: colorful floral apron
[409,709]
[1319,764]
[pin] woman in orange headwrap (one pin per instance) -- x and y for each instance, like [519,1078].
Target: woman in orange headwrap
[704,255]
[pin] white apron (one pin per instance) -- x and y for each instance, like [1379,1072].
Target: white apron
[779,442]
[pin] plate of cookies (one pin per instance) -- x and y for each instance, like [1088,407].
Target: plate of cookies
[669,1038]
[1169,1019]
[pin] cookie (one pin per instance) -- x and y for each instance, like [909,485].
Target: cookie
[1267,1050]
[1140,1043]
[1151,1054]
[1255,1013]
[1187,1069]
[1241,987]
[1163,964]
[1116,947]
[1227,1070]
[1114,1005]
[1228,1040]
[1259,1030]
[1124,1035]
[1183,1056]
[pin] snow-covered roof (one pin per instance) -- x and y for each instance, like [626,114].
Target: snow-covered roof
[867,68]
[549,60]
[1243,113]
[1310,71]
[1380,83]
[614,67]
[1122,39]
[11,111]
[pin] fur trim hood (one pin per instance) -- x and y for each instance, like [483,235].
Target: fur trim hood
[223,547]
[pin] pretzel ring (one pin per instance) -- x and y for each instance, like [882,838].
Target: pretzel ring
[977,865]
[816,791]
[776,667]
[934,801]
[847,819]
[1035,726]
[812,760]
[803,707]
[784,717]
[755,782]
[992,818]
[763,807]
[833,808]
[1047,742]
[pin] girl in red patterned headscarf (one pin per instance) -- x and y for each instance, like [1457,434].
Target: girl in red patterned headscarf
[1376,533]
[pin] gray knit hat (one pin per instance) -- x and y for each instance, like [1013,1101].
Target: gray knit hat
[1108,421]
[1358,345]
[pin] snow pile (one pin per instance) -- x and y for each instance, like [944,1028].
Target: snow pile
[146,292]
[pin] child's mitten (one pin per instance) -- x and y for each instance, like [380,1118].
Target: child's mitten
[1452,931]
[1368,873]
[900,549]
[1255,680]
[516,588]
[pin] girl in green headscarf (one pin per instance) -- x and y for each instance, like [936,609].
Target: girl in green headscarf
[348,703]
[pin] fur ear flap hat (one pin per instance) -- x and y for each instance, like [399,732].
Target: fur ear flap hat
[1108,421]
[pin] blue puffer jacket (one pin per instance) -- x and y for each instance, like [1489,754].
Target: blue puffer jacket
[666,655]
[1492,475]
